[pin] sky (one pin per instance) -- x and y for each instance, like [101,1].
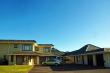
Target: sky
[68,24]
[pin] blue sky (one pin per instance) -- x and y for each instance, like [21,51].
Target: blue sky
[68,24]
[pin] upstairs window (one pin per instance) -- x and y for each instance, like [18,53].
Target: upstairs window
[27,47]
[36,49]
[46,50]
[15,45]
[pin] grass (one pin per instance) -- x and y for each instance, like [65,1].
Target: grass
[15,69]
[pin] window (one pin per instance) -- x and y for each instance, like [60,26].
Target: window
[29,58]
[15,45]
[36,49]
[27,47]
[5,57]
[46,50]
[12,58]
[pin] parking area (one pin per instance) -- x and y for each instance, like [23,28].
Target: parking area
[73,68]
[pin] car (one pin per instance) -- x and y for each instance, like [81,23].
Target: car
[52,62]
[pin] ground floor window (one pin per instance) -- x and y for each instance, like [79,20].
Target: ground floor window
[29,58]
[12,58]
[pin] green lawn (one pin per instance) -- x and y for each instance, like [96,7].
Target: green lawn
[15,69]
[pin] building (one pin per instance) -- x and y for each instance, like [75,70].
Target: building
[90,55]
[25,52]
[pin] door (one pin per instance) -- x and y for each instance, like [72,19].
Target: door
[90,60]
[99,60]
[19,60]
[82,59]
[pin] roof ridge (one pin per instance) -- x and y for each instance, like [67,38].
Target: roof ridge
[94,45]
[2,40]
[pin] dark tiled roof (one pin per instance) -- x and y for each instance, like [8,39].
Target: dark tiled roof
[80,51]
[45,44]
[83,50]
[17,41]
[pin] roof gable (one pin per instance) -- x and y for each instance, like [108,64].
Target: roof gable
[91,47]
[85,49]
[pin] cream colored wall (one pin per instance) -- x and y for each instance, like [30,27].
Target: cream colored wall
[85,60]
[75,60]
[107,59]
[31,62]
[80,59]
[3,50]
[69,59]
[9,60]
[41,49]
[8,48]
[91,47]
[14,60]
[37,60]
[34,45]
[94,60]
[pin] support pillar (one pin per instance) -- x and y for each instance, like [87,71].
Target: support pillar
[85,60]
[47,59]
[37,60]
[9,59]
[14,62]
[94,60]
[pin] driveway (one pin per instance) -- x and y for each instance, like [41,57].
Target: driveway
[74,68]
[41,69]
[69,69]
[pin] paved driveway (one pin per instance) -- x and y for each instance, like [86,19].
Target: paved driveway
[69,69]
[41,69]
[79,69]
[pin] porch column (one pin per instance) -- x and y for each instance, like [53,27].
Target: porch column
[85,60]
[31,60]
[94,60]
[9,59]
[14,60]
[37,60]
[74,59]
[81,60]
[47,59]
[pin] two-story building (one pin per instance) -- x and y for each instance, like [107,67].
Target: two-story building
[25,52]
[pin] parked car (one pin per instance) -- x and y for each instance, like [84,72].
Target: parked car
[52,62]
